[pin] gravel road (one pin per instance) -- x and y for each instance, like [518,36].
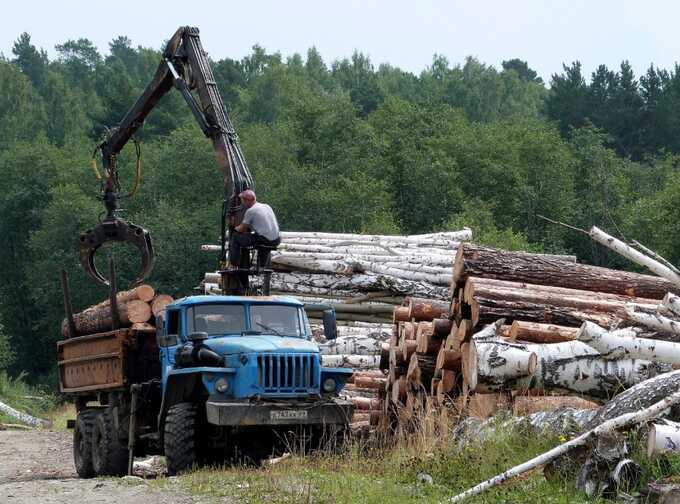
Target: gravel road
[37,467]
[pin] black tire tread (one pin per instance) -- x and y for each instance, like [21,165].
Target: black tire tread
[180,437]
[85,422]
[113,459]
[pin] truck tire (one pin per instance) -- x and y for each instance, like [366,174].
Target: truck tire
[109,455]
[82,442]
[181,437]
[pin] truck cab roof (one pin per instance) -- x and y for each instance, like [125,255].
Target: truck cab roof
[199,300]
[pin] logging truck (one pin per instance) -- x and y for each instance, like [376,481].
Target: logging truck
[219,378]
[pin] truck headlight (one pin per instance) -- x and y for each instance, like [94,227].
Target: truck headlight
[222,385]
[329,385]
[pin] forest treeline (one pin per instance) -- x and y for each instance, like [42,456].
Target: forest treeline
[341,146]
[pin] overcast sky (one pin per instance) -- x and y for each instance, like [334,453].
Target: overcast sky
[404,33]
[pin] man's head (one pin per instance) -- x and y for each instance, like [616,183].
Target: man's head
[248,198]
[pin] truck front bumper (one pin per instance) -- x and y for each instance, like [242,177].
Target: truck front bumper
[244,413]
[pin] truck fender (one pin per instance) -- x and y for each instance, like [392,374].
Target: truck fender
[187,385]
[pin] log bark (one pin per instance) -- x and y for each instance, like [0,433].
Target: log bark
[672,303]
[98,319]
[638,397]
[625,343]
[533,332]
[655,322]
[573,367]
[637,257]
[557,303]
[606,428]
[464,234]
[492,363]
[370,382]
[142,292]
[426,309]
[24,417]
[441,327]
[528,405]
[351,361]
[358,345]
[420,370]
[472,260]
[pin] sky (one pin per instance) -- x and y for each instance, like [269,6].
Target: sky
[403,33]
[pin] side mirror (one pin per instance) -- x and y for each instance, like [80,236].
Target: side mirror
[198,337]
[330,325]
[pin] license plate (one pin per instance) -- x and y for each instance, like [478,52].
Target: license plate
[288,415]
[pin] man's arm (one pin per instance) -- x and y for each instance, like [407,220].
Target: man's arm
[242,228]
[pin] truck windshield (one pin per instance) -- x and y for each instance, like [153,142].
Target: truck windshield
[217,319]
[276,319]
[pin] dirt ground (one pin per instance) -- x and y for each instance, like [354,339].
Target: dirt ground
[37,467]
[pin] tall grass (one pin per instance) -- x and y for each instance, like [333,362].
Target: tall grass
[30,399]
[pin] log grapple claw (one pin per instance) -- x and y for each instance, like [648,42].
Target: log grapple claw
[118,230]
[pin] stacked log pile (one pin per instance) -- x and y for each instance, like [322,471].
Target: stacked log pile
[360,347]
[362,276]
[509,336]
[136,308]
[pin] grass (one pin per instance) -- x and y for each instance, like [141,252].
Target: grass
[15,392]
[389,473]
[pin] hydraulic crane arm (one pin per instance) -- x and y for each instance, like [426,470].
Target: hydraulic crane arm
[184,66]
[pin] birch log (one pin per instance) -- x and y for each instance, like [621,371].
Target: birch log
[24,417]
[637,257]
[625,343]
[472,260]
[357,345]
[491,364]
[351,361]
[464,234]
[672,304]
[655,322]
[607,428]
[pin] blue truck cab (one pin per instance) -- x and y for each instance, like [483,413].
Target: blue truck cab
[238,363]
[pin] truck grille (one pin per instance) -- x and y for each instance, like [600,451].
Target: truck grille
[287,373]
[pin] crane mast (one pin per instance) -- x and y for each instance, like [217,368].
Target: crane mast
[185,66]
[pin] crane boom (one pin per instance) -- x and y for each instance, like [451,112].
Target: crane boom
[185,66]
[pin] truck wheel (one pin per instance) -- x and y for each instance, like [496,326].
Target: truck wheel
[181,437]
[82,442]
[109,456]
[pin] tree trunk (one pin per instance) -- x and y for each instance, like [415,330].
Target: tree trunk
[672,304]
[492,363]
[426,309]
[532,332]
[625,343]
[351,361]
[98,319]
[637,257]
[640,396]
[142,292]
[357,345]
[464,234]
[527,405]
[655,322]
[606,428]
[24,417]
[558,302]
[472,260]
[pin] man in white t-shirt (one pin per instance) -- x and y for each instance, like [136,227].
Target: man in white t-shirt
[259,227]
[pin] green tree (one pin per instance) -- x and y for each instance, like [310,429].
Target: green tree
[33,63]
